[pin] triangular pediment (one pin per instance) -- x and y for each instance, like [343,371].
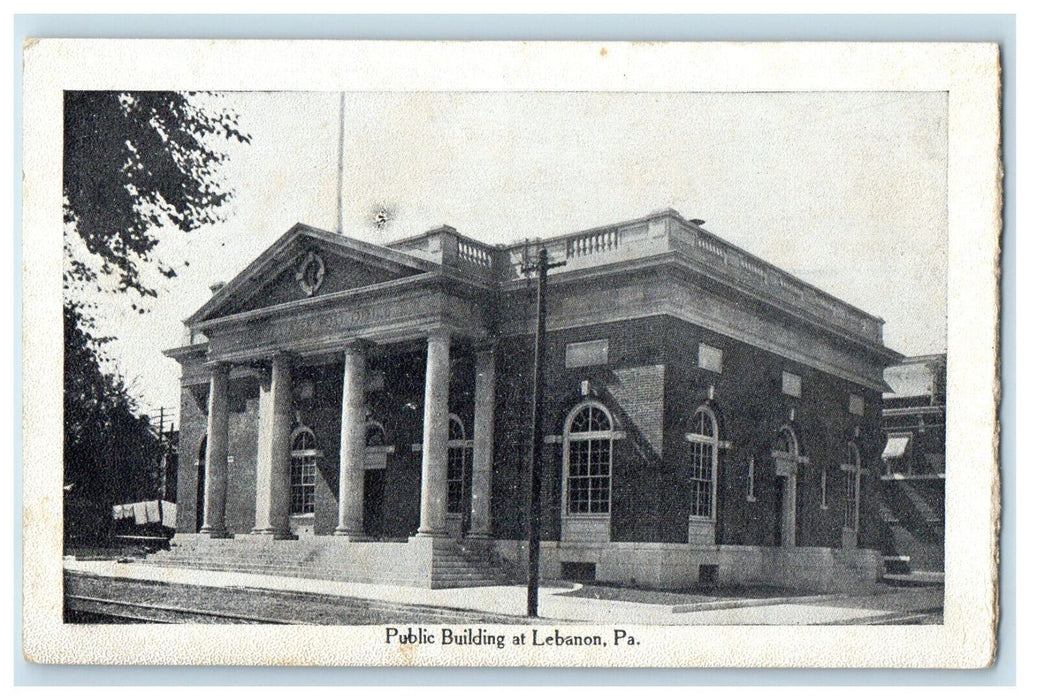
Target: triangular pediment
[307,263]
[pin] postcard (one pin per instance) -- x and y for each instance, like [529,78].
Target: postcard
[511,353]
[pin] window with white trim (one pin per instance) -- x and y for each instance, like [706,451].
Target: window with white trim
[703,438]
[852,468]
[303,471]
[456,466]
[588,451]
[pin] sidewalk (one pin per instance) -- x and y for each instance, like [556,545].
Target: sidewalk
[511,600]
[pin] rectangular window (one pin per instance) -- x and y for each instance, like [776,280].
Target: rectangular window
[791,384]
[587,354]
[304,482]
[750,494]
[824,488]
[856,405]
[590,465]
[852,499]
[711,358]
[455,478]
[702,455]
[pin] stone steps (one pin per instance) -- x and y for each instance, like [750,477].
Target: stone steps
[454,565]
[284,569]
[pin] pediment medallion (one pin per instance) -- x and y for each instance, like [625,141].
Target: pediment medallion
[310,273]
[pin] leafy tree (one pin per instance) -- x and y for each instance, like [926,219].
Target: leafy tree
[133,162]
[106,441]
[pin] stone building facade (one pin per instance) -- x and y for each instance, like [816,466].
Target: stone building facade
[708,417]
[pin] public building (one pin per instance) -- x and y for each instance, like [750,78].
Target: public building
[365,410]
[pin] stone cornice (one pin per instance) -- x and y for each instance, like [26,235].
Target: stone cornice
[307,303]
[684,271]
[684,266]
[182,352]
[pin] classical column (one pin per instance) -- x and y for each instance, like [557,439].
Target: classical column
[435,434]
[274,454]
[482,441]
[351,444]
[216,454]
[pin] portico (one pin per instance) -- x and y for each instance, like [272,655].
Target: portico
[405,314]
[274,448]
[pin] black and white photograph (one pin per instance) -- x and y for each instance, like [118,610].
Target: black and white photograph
[559,374]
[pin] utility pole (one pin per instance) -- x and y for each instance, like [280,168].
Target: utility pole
[536,448]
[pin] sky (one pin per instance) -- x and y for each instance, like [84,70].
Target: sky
[844,190]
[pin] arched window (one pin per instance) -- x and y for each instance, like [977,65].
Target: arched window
[704,441]
[456,466]
[852,467]
[588,460]
[304,471]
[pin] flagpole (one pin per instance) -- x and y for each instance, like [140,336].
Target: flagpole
[341,160]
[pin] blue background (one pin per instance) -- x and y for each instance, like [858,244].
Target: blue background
[986,28]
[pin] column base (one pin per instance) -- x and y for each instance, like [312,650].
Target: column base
[431,534]
[216,533]
[477,536]
[267,534]
[351,534]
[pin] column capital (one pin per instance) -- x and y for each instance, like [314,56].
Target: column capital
[440,334]
[359,346]
[218,366]
[264,366]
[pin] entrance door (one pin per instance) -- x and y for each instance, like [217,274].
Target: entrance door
[787,520]
[374,502]
[458,478]
[199,509]
[376,461]
[786,468]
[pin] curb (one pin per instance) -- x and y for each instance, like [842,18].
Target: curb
[753,602]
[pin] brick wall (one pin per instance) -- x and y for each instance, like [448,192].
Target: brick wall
[751,409]
[631,386]
[653,386]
